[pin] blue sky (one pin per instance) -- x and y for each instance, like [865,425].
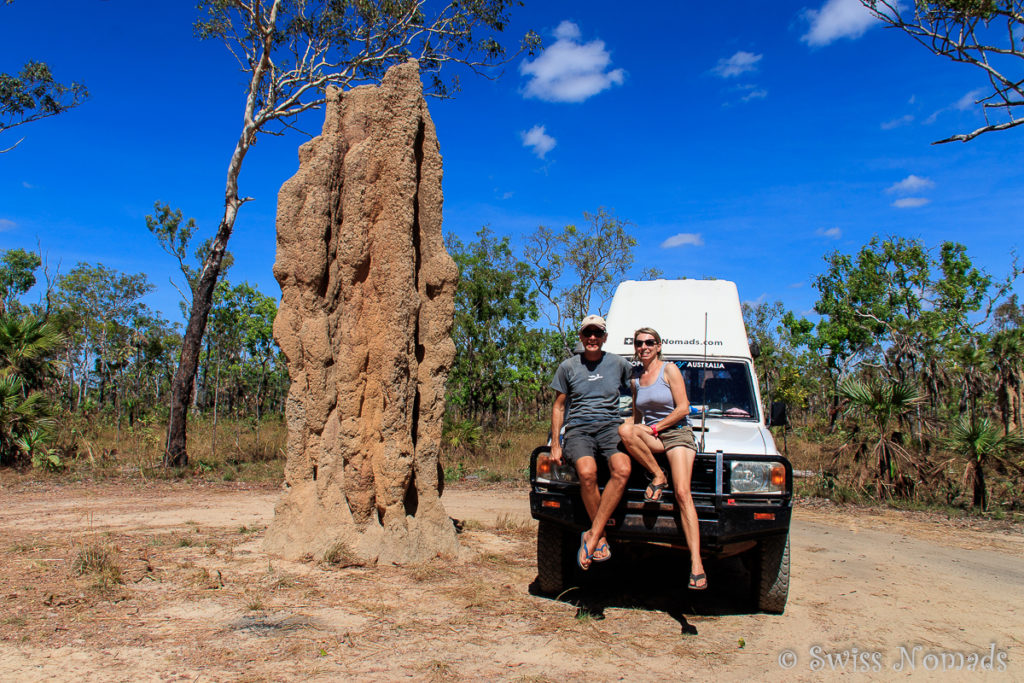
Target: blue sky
[743,141]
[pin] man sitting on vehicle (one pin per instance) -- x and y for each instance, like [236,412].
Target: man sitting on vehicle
[591,383]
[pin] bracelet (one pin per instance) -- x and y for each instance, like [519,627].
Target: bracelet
[654,431]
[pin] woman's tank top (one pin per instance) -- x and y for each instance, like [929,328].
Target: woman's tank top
[655,402]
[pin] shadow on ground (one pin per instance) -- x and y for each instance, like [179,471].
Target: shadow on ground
[641,576]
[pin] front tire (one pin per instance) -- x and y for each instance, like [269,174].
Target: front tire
[771,574]
[555,557]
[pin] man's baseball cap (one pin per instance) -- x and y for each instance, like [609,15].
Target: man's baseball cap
[593,321]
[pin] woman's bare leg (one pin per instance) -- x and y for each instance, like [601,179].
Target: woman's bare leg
[642,445]
[680,460]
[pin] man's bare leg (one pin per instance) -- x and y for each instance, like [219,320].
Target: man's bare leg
[619,466]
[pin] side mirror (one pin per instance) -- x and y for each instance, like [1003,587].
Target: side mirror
[778,416]
[755,349]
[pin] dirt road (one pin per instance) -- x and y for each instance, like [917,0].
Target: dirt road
[874,594]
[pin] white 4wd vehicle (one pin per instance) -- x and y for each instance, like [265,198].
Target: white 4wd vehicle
[742,486]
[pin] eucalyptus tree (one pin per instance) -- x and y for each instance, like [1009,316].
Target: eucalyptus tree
[576,269]
[985,34]
[289,52]
[902,308]
[494,304]
[787,372]
[863,300]
[101,308]
[17,276]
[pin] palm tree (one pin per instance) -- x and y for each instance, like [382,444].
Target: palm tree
[978,440]
[975,368]
[20,415]
[1007,355]
[27,345]
[885,403]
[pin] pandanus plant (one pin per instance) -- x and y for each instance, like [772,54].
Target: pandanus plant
[885,404]
[978,440]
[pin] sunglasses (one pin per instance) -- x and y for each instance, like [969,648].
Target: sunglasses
[592,332]
[644,342]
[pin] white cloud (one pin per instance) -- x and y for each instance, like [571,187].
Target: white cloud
[831,233]
[568,31]
[796,285]
[896,123]
[965,103]
[539,140]
[755,94]
[6,224]
[837,19]
[911,183]
[739,63]
[910,202]
[969,100]
[692,239]
[570,71]
[27,185]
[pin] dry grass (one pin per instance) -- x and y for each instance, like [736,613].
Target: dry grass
[512,525]
[501,454]
[341,555]
[99,563]
[439,671]
[95,447]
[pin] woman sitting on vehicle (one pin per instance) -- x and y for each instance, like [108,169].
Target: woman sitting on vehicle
[659,398]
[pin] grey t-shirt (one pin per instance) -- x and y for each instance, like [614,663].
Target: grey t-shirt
[592,388]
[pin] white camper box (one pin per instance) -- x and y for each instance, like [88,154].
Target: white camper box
[715,360]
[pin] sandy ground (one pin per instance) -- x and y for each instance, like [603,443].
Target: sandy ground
[874,595]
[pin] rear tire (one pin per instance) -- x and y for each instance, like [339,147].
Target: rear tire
[771,574]
[555,557]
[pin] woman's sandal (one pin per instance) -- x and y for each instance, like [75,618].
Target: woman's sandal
[653,492]
[694,578]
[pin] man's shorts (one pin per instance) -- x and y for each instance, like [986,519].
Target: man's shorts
[592,440]
[676,437]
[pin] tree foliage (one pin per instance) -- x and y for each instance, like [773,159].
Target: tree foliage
[17,276]
[499,360]
[33,94]
[576,270]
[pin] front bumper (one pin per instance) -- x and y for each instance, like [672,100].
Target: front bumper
[726,520]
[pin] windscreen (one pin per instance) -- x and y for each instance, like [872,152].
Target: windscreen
[722,387]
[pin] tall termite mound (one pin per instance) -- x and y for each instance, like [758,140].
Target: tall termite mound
[364,323]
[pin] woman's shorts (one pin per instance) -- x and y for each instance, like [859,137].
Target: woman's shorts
[676,437]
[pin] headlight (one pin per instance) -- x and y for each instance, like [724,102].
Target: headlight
[548,471]
[757,477]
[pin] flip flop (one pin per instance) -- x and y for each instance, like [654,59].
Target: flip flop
[694,578]
[655,492]
[606,557]
[583,550]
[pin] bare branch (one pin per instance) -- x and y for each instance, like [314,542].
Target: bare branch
[963,32]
